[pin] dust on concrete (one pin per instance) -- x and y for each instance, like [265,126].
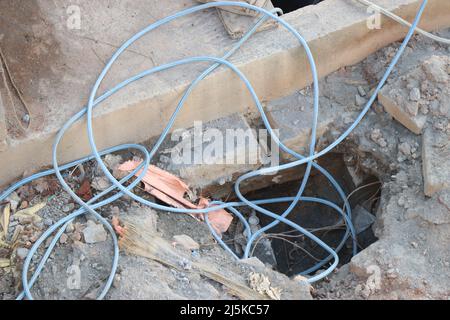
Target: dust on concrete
[27,44]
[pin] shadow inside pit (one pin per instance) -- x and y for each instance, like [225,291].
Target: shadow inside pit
[295,253]
[292,5]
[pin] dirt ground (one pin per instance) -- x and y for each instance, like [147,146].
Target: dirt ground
[410,259]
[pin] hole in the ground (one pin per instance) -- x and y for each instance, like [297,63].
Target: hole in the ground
[294,253]
[292,5]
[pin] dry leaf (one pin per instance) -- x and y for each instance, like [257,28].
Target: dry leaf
[117,227]
[5,220]
[17,232]
[4,245]
[4,263]
[31,212]
[41,185]
[85,192]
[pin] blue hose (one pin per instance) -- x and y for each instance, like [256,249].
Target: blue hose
[92,205]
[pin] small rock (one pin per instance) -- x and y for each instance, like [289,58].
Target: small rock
[253,220]
[361,91]
[112,161]
[26,118]
[68,207]
[101,183]
[360,101]
[414,94]
[76,236]
[14,200]
[94,233]
[363,219]
[70,228]
[382,143]
[23,205]
[22,253]
[375,135]
[405,148]
[424,109]
[412,108]
[116,282]
[435,107]
[435,69]
[63,239]
[186,264]
[186,242]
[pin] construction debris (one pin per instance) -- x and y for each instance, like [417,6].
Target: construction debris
[422,90]
[171,190]
[237,20]
[261,284]
[409,259]
[94,233]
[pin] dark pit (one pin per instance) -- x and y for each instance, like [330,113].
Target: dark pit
[294,252]
[292,5]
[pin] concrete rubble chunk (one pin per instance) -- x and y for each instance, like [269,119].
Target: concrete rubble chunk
[212,152]
[409,97]
[292,116]
[94,233]
[405,112]
[22,253]
[362,218]
[436,161]
[436,69]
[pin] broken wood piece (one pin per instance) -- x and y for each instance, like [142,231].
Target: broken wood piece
[186,242]
[31,211]
[139,241]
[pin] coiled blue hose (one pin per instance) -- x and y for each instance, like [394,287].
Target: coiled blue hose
[91,206]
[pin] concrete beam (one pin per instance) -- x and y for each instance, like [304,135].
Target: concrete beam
[65,63]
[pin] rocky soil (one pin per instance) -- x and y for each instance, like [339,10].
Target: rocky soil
[404,141]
